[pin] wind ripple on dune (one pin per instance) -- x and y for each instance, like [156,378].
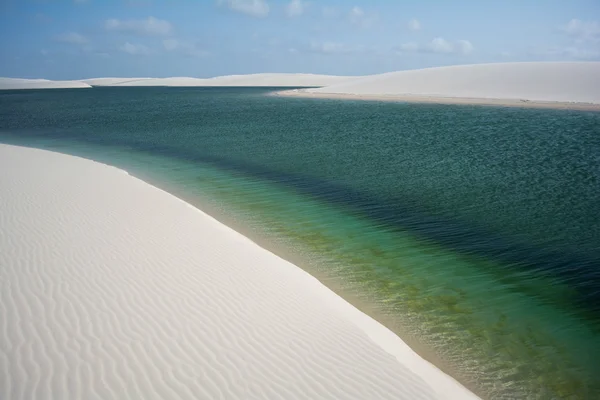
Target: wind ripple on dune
[112,288]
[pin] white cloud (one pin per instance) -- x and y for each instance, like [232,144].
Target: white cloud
[581,54]
[465,47]
[585,42]
[330,12]
[185,48]
[144,27]
[569,53]
[441,45]
[360,18]
[135,49]
[438,45]
[414,25]
[328,47]
[357,12]
[295,8]
[409,47]
[254,8]
[582,30]
[72,38]
[171,44]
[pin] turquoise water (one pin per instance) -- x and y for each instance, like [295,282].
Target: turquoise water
[472,231]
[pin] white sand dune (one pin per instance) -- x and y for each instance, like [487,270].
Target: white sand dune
[111,288]
[533,81]
[112,81]
[278,80]
[18,83]
[281,80]
[175,81]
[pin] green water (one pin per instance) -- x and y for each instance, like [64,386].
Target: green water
[474,232]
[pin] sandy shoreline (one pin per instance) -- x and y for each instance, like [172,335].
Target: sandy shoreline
[441,100]
[317,269]
[112,287]
[558,85]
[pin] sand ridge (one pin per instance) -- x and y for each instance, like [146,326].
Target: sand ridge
[18,83]
[280,80]
[257,80]
[543,84]
[112,288]
[530,84]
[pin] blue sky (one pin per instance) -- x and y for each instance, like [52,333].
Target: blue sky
[74,39]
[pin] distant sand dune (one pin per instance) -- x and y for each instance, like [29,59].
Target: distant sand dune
[280,80]
[564,82]
[18,83]
[229,80]
[570,84]
[113,81]
[111,288]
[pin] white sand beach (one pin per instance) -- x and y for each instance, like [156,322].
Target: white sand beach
[112,288]
[18,83]
[537,84]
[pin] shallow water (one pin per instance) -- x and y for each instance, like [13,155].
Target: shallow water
[472,231]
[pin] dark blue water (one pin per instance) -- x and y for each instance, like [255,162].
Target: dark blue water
[472,231]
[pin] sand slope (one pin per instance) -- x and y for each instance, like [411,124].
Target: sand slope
[111,288]
[229,80]
[534,81]
[18,83]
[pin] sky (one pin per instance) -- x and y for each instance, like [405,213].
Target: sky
[76,39]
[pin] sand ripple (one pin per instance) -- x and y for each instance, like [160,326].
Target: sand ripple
[113,289]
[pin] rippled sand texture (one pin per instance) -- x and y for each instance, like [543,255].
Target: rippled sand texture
[112,288]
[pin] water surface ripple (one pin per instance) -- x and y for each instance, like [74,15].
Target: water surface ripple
[473,231]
